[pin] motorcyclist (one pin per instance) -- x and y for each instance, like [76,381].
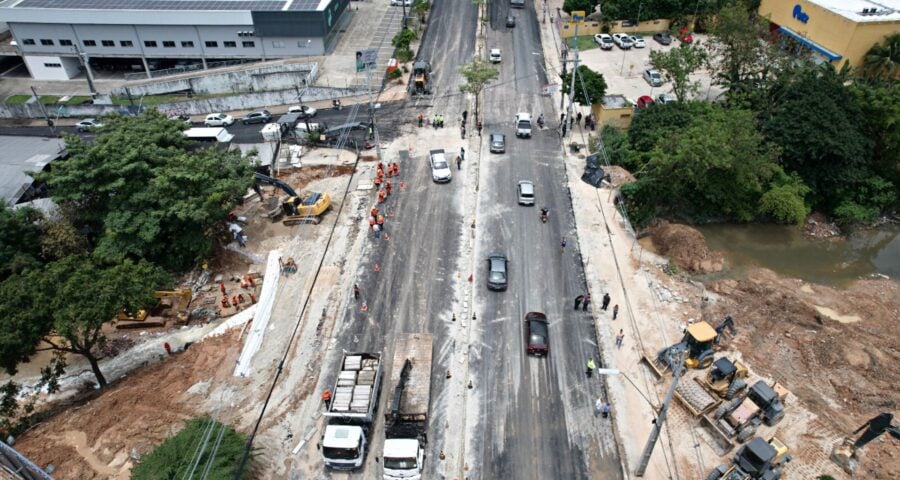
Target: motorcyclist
[545,212]
[540,120]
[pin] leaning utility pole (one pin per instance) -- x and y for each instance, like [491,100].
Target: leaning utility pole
[44,111]
[677,362]
[372,110]
[577,19]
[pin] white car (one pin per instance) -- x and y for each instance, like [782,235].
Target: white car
[523,124]
[665,98]
[622,40]
[440,167]
[495,55]
[218,120]
[303,111]
[87,125]
[397,3]
[638,41]
[604,40]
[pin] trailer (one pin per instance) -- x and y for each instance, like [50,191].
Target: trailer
[351,412]
[406,422]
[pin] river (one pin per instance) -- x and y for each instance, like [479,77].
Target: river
[785,250]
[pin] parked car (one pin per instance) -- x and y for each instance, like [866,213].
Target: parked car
[663,38]
[644,101]
[218,120]
[303,111]
[88,124]
[604,40]
[497,274]
[525,193]
[665,98]
[498,143]
[397,3]
[653,77]
[638,41]
[495,56]
[537,334]
[685,36]
[510,21]
[622,40]
[440,167]
[259,116]
[181,118]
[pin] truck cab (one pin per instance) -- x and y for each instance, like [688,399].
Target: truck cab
[403,459]
[344,447]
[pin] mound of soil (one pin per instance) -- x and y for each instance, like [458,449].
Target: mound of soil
[685,247]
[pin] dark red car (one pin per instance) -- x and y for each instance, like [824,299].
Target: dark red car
[537,334]
[644,101]
[685,36]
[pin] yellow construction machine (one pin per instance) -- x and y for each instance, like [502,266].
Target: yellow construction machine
[696,347]
[296,208]
[757,460]
[170,303]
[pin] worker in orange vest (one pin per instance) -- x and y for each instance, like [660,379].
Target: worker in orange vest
[374,212]
[387,187]
[381,196]
[396,169]
[326,398]
[377,182]
[371,223]
[380,221]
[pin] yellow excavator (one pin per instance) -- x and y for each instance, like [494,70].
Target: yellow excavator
[170,303]
[296,208]
[696,347]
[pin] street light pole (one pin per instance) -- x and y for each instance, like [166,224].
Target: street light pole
[677,363]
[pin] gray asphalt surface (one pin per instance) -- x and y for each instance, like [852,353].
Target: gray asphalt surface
[536,414]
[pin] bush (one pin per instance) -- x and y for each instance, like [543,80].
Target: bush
[175,456]
[395,74]
[615,141]
[785,201]
[863,201]
[404,55]
[403,38]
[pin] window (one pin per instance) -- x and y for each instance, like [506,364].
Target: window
[53,65]
[46,42]
[150,43]
[168,44]
[212,44]
[28,41]
[187,44]
[249,44]
[230,44]
[126,43]
[65,43]
[108,43]
[277,44]
[304,43]
[90,43]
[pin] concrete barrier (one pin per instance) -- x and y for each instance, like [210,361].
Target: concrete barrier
[262,79]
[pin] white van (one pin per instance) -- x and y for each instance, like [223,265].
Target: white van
[523,124]
[211,134]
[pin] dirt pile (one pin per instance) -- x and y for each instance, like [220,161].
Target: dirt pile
[685,247]
[95,440]
[836,350]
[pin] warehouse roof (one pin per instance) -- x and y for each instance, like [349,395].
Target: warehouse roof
[204,5]
[21,155]
[863,10]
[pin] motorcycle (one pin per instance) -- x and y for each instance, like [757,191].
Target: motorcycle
[545,214]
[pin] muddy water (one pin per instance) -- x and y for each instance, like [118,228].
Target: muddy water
[788,252]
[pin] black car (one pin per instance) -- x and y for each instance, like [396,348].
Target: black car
[261,116]
[510,21]
[663,38]
[498,143]
[537,333]
[497,274]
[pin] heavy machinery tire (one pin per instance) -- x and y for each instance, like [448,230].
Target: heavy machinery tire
[717,473]
[725,409]
[746,433]
[736,386]
[705,362]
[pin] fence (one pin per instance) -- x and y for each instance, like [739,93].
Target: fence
[165,72]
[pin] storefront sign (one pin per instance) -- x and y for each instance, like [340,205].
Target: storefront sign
[799,14]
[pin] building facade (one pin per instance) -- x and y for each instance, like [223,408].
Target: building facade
[56,37]
[836,31]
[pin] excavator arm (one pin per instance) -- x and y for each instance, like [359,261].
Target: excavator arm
[267,180]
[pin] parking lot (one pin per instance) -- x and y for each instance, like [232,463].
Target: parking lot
[623,70]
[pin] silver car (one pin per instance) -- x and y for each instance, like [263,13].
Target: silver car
[525,193]
[653,77]
[440,167]
[498,143]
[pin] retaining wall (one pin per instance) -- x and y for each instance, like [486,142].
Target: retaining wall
[263,79]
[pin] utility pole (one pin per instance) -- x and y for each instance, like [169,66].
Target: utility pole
[44,111]
[300,99]
[677,362]
[85,62]
[574,74]
[372,110]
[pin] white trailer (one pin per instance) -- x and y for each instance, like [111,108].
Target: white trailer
[352,411]
[406,421]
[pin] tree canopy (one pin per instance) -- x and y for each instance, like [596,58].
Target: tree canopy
[586,6]
[882,61]
[20,239]
[478,73]
[145,193]
[590,86]
[678,64]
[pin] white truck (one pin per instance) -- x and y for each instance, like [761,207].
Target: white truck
[352,411]
[406,421]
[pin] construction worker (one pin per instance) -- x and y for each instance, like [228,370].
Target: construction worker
[590,367]
[356,291]
[381,196]
[224,302]
[380,222]
[387,187]
[380,168]
[326,398]
[372,223]
[420,119]
[396,169]
[377,182]
[374,212]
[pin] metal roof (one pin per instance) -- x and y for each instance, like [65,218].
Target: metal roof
[174,5]
[24,154]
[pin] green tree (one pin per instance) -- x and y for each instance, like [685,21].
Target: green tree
[818,124]
[587,6]
[403,38]
[177,457]
[678,64]
[882,61]
[880,105]
[784,201]
[590,86]
[65,305]
[20,239]
[478,73]
[144,193]
[617,147]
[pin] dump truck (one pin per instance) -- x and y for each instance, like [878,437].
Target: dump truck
[421,84]
[757,460]
[407,420]
[297,208]
[351,411]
